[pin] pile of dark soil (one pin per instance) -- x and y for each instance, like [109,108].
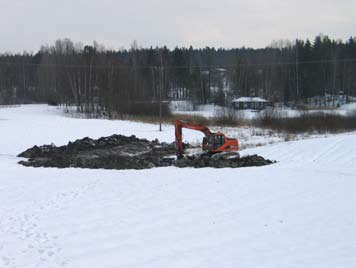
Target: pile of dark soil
[122,152]
[207,161]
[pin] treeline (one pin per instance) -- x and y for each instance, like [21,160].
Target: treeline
[99,80]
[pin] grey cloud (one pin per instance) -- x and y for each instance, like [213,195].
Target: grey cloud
[25,25]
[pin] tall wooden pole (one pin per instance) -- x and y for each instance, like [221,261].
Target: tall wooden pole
[297,69]
[160,95]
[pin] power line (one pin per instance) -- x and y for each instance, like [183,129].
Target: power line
[216,66]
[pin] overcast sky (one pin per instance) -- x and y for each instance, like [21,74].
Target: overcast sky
[27,24]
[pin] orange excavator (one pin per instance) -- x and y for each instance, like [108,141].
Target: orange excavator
[213,143]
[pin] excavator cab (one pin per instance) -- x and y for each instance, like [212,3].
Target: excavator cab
[213,141]
[218,141]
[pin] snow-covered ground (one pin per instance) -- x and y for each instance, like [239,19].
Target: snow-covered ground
[300,212]
[185,107]
[210,111]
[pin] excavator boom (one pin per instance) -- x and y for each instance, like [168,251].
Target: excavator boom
[179,125]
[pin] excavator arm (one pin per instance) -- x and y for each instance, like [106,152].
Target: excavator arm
[179,125]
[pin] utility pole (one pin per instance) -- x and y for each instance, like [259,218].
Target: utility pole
[297,68]
[160,95]
[24,81]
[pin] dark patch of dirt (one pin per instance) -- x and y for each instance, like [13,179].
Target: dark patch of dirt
[122,152]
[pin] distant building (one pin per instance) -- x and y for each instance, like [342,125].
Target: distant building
[254,103]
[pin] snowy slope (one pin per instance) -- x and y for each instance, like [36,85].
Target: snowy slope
[300,212]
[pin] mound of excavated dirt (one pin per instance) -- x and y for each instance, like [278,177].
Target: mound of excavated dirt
[122,152]
[206,161]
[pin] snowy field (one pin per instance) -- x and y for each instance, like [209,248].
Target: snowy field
[300,212]
[210,111]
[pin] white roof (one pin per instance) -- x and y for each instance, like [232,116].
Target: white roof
[220,69]
[249,99]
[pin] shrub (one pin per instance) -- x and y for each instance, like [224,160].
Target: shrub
[148,109]
[310,122]
[228,116]
[193,119]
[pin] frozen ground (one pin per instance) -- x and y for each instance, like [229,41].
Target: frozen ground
[300,212]
[210,110]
